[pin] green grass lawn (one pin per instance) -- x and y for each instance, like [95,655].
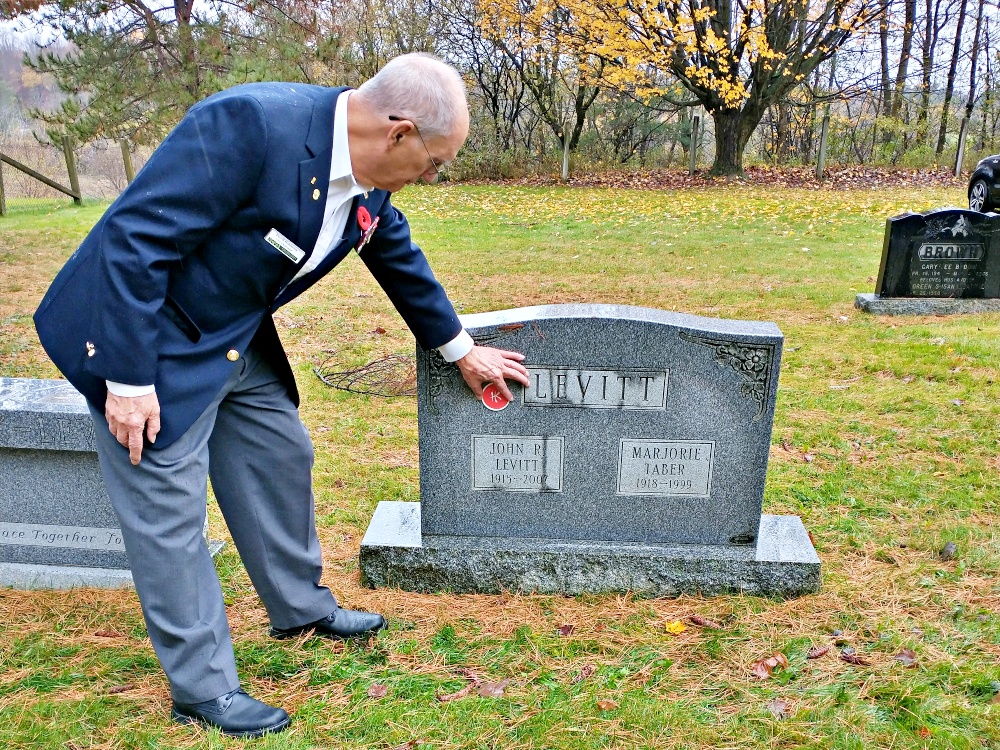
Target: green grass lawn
[885,443]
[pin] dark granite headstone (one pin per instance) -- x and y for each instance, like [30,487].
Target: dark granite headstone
[634,460]
[57,528]
[943,261]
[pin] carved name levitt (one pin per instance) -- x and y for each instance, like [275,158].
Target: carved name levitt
[596,389]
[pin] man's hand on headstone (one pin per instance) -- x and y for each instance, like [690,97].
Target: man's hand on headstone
[484,365]
[128,417]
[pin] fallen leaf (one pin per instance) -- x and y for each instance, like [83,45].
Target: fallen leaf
[924,732]
[763,668]
[377,691]
[406,745]
[456,695]
[808,457]
[778,707]
[676,627]
[606,704]
[566,629]
[378,330]
[121,688]
[587,671]
[817,651]
[957,401]
[948,551]
[704,622]
[492,689]
[109,634]
[907,657]
[852,658]
[785,446]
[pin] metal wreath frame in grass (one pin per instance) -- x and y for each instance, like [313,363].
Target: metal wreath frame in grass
[391,375]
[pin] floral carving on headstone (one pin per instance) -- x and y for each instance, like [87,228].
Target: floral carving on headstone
[752,361]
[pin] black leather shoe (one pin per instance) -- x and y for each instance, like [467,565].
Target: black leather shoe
[236,714]
[341,623]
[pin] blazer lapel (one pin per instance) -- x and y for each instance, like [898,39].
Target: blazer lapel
[314,173]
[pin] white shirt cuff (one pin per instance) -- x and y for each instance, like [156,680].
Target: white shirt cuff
[457,348]
[129,391]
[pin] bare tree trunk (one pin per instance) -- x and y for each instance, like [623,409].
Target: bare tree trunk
[883,36]
[971,100]
[987,107]
[783,134]
[905,52]
[731,137]
[949,89]
[185,45]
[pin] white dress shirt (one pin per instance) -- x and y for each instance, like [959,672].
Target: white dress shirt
[339,196]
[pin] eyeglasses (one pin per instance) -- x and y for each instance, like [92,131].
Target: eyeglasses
[438,168]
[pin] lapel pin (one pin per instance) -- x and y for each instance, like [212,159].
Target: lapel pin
[316,194]
[312,181]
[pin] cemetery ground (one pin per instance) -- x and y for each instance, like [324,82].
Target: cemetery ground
[885,443]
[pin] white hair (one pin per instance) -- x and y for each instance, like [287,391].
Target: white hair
[421,88]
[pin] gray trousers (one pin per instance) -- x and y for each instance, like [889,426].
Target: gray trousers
[256,450]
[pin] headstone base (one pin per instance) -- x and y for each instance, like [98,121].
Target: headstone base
[31,576]
[876,305]
[394,553]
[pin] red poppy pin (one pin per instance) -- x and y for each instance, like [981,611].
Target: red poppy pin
[364,218]
[367,226]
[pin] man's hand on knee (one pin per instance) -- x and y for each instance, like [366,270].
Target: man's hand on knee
[128,417]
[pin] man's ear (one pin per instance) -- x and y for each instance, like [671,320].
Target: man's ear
[399,129]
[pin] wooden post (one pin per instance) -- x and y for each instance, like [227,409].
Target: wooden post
[695,122]
[127,158]
[823,137]
[824,133]
[74,181]
[565,145]
[960,156]
[3,196]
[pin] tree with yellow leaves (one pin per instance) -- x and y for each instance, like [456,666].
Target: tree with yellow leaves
[735,58]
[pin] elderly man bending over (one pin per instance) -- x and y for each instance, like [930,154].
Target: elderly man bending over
[162,319]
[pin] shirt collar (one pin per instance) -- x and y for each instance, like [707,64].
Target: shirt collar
[340,164]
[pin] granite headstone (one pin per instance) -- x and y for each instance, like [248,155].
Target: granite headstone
[57,527]
[634,460]
[945,261]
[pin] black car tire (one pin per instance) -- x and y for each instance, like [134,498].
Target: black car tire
[979,196]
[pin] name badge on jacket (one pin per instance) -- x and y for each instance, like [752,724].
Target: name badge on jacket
[285,246]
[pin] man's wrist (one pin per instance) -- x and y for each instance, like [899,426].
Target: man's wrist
[129,391]
[457,348]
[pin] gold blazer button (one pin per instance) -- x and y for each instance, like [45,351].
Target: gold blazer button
[91,349]
[316,194]
[232,355]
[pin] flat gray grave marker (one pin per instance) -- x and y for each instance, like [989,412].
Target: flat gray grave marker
[634,460]
[57,527]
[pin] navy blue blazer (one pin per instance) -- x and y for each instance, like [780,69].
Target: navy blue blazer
[177,272]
